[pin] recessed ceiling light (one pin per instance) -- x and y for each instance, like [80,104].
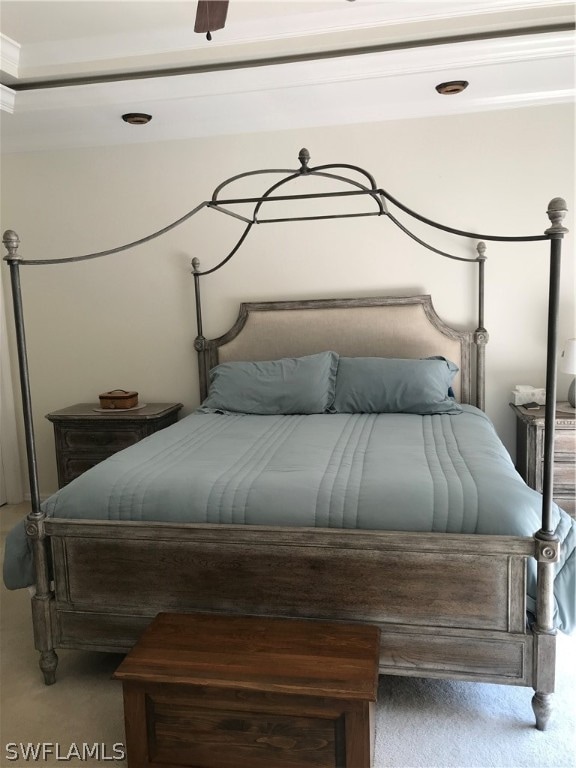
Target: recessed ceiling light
[452,86]
[136,118]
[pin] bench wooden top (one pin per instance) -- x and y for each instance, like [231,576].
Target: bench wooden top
[298,656]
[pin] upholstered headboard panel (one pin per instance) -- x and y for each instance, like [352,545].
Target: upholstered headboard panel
[406,327]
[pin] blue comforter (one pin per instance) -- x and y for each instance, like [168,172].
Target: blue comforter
[402,472]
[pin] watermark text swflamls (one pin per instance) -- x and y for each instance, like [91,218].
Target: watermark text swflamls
[28,752]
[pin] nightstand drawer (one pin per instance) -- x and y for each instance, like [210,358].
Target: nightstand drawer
[567,503]
[564,443]
[90,439]
[530,433]
[564,475]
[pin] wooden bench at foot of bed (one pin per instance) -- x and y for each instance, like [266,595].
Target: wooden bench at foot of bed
[216,690]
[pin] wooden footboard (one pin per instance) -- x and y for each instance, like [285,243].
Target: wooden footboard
[449,606]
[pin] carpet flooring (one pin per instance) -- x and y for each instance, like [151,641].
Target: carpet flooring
[420,723]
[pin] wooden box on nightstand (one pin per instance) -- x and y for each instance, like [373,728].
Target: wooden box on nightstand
[530,453]
[85,436]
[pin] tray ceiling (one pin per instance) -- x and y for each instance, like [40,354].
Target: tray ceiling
[70,69]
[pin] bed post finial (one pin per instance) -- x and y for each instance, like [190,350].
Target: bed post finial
[304,157]
[11,242]
[557,210]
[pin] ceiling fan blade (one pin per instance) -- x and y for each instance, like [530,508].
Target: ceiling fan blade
[210,15]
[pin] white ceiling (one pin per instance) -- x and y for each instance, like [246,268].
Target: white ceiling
[362,61]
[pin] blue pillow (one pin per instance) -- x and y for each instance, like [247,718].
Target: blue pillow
[273,387]
[393,385]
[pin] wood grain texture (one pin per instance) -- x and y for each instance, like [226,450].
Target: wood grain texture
[418,588]
[410,586]
[261,653]
[232,692]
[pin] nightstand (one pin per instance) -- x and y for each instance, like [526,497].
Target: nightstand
[85,436]
[530,453]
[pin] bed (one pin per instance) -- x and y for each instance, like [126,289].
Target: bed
[306,509]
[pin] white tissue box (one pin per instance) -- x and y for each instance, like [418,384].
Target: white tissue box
[523,393]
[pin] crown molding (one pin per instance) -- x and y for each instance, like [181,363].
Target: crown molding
[383,15]
[327,71]
[9,55]
[7,99]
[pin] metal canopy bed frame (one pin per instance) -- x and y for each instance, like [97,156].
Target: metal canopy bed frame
[230,567]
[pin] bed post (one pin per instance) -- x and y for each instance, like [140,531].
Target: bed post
[200,340]
[547,542]
[42,599]
[481,334]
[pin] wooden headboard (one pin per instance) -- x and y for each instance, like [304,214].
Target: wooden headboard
[406,327]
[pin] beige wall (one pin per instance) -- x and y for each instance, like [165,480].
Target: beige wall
[128,320]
